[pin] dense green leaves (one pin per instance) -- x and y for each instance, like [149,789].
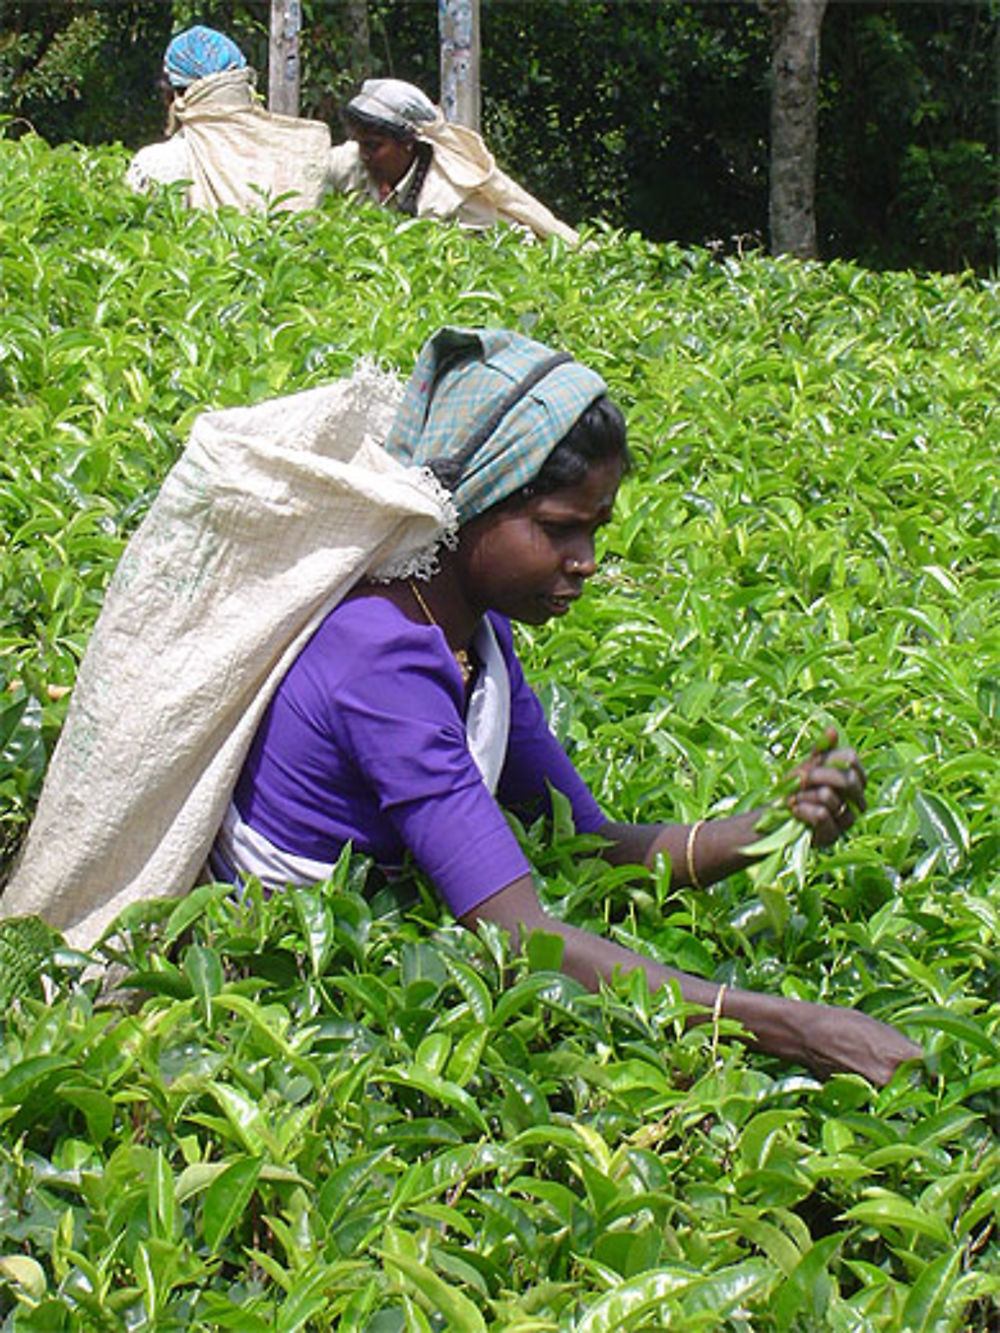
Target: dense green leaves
[652,116]
[599,1169]
[308,1114]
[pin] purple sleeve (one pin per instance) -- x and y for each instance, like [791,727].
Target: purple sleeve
[535,759]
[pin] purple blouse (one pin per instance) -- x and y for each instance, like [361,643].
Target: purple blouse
[365,741]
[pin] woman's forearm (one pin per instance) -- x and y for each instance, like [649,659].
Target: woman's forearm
[816,1035]
[821,1037]
[773,1021]
[699,853]
[828,799]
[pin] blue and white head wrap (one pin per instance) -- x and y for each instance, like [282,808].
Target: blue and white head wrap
[198,52]
[493,405]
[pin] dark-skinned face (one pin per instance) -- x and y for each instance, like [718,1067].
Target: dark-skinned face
[530,560]
[387,160]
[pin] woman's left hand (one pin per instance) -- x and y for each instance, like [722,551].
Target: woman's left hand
[831,791]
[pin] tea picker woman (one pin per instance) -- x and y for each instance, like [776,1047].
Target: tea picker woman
[221,140]
[402,154]
[406,725]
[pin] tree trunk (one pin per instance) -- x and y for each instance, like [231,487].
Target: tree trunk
[795,26]
[359,43]
[283,57]
[459,28]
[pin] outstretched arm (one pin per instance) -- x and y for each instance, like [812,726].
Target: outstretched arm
[830,795]
[824,1038]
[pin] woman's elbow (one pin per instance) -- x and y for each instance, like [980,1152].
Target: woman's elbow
[514,908]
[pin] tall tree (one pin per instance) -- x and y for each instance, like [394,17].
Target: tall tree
[795,27]
[460,95]
[909,166]
[283,71]
[359,42]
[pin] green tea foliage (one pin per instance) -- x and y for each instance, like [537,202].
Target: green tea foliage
[651,116]
[317,1115]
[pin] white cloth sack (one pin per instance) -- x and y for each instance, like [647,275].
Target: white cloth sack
[464,168]
[241,154]
[272,513]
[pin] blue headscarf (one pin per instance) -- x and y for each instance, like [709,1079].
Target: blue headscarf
[198,52]
[494,404]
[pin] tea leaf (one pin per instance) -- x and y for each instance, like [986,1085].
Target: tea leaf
[226,1199]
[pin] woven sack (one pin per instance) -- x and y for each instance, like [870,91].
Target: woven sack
[272,513]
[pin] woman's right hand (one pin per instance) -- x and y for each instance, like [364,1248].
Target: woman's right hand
[831,790]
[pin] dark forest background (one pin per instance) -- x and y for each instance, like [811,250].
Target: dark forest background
[649,114]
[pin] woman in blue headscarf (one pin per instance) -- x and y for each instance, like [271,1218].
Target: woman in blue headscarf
[197,53]
[406,726]
[221,140]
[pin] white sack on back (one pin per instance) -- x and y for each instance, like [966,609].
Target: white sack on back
[272,513]
[241,154]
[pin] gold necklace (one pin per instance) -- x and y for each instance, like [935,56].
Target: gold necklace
[460,655]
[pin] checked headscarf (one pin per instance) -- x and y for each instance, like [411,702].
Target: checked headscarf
[492,403]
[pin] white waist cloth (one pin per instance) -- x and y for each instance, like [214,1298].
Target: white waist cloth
[241,849]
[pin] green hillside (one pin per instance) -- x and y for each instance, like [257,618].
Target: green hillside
[319,1117]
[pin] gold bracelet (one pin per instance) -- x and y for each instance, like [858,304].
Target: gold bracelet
[692,838]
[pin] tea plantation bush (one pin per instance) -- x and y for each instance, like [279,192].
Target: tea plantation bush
[315,1115]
